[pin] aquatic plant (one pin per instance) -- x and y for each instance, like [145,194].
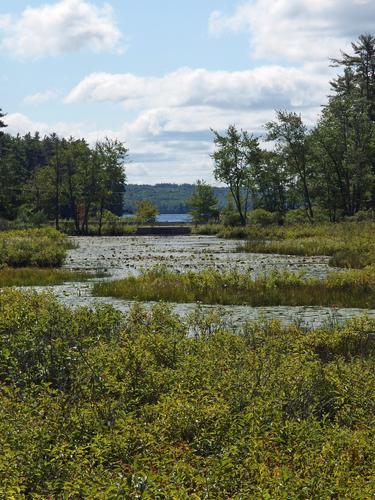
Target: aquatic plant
[34,276]
[211,286]
[350,245]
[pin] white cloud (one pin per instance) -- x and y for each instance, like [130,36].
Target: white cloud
[65,26]
[300,30]
[40,97]
[22,124]
[260,88]
[169,134]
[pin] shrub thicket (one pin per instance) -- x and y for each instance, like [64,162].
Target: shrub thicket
[93,405]
[33,247]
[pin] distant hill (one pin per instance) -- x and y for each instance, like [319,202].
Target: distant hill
[169,198]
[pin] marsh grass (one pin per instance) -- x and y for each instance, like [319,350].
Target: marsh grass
[33,276]
[350,245]
[35,247]
[354,288]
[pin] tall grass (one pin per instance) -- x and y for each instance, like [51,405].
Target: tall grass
[350,245]
[34,247]
[351,289]
[40,277]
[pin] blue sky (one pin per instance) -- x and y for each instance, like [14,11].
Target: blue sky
[158,74]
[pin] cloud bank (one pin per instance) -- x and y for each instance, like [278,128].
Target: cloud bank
[65,26]
[300,30]
[167,119]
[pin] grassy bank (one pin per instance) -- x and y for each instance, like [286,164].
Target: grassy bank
[349,244]
[40,277]
[93,405]
[355,288]
[33,247]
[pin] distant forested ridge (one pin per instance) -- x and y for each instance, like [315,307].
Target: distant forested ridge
[169,198]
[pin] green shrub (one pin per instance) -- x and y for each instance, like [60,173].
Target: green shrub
[33,247]
[95,405]
[261,217]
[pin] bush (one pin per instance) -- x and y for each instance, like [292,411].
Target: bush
[96,405]
[261,217]
[363,215]
[230,218]
[28,217]
[33,247]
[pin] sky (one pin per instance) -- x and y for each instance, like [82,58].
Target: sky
[160,74]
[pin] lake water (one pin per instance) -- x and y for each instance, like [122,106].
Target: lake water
[175,218]
[123,256]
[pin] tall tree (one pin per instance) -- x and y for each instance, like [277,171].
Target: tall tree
[203,203]
[2,123]
[237,152]
[291,141]
[271,184]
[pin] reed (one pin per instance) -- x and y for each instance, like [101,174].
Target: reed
[33,276]
[351,289]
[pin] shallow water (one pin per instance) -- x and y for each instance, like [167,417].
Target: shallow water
[122,256]
[126,255]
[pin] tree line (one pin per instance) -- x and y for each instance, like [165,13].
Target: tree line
[325,169]
[328,168]
[53,178]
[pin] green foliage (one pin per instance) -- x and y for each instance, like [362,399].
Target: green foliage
[146,212]
[33,247]
[94,405]
[27,216]
[236,154]
[40,277]
[296,216]
[229,216]
[261,217]
[351,245]
[354,288]
[168,198]
[58,178]
[206,229]
[203,203]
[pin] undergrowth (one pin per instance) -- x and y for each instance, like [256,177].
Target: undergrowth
[95,405]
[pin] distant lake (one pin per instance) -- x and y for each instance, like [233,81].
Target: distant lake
[169,217]
[173,218]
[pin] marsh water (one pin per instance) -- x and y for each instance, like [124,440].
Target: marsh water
[123,256]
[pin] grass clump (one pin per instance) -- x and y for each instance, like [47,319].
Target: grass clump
[354,288]
[41,277]
[33,247]
[96,405]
